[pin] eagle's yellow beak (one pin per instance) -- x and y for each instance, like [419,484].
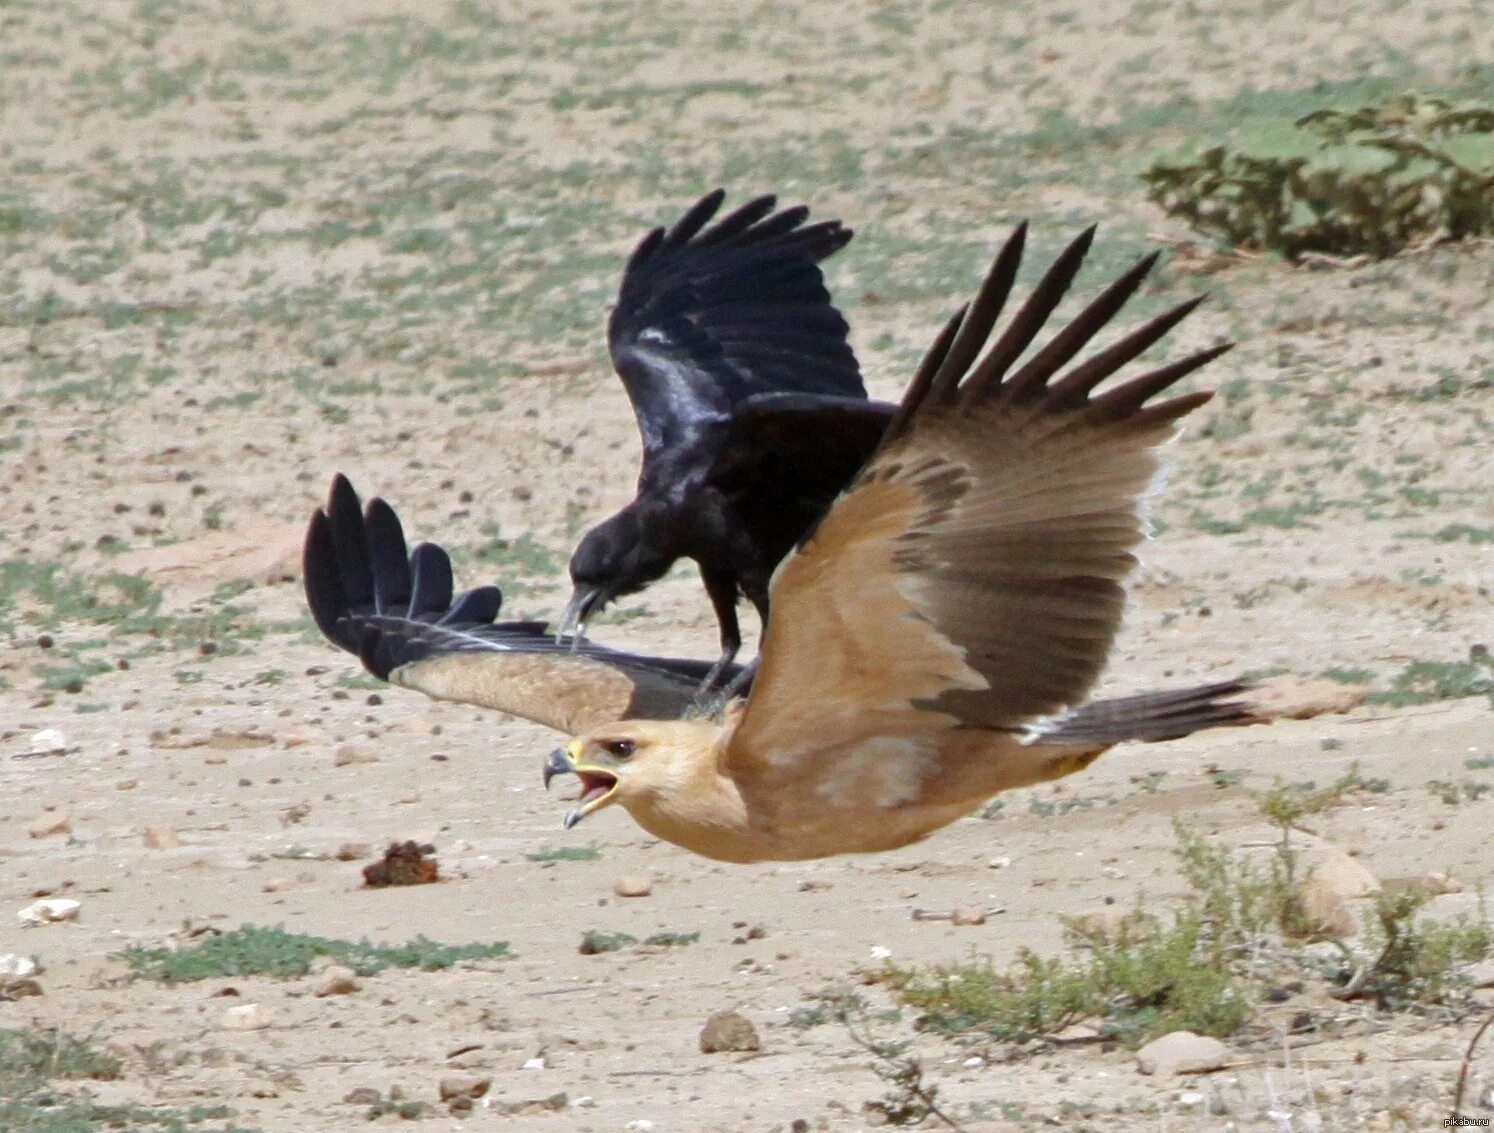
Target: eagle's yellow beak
[598,785]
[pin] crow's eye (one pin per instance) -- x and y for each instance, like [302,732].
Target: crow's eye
[619,749]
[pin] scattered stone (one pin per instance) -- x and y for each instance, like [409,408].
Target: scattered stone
[161,838]
[535,1107]
[468,1086]
[237,739]
[337,980]
[48,741]
[50,911]
[968,915]
[50,825]
[246,1017]
[1333,881]
[403,863]
[999,863]
[363,1095]
[1437,883]
[1302,698]
[535,1063]
[1182,1052]
[14,966]
[19,989]
[349,754]
[127,784]
[352,851]
[728,1031]
[633,885]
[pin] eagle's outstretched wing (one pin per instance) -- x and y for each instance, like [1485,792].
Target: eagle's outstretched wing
[397,612]
[970,579]
[707,317]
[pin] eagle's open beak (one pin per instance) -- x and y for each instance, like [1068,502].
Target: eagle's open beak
[584,600]
[598,785]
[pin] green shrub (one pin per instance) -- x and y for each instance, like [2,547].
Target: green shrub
[1368,181]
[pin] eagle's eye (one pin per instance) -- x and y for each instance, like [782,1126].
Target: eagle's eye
[618,749]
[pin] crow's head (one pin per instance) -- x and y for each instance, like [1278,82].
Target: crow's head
[618,556]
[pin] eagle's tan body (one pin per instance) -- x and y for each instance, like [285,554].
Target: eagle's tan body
[687,798]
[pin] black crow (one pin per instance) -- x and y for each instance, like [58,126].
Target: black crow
[750,402]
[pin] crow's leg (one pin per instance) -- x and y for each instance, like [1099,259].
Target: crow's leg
[739,683]
[722,588]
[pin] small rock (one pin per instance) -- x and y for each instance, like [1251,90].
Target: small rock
[353,851]
[1190,1099]
[1182,1052]
[536,1063]
[404,863]
[1332,882]
[50,825]
[161,838]
[728,1031]
[349,754]
[534,1107]
[467,1086]
[50,911]
[362,1095]
[14,966]
[48,741]
[968,915]
[633,885]
[1437,883]
[337,980]
[245,1017]
[999,863]
[19,989]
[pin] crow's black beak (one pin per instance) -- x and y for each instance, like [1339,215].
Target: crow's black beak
[584,600]
[558,764]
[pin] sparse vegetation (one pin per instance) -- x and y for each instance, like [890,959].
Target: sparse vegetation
[256,951]
[594,942]
[1370,180]
[1239,929]
[566,854]
[31,1062]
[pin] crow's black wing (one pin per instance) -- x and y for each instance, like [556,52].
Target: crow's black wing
[786,457]
[707,317]
[397,612]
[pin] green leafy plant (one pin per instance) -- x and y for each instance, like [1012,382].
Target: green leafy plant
[1372,180]
[255,951]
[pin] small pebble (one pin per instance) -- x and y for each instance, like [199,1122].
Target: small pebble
[968,915]
[728,1031]
[161,838]
[467,1086]
[50,911]
[633,885]
[245,1017]
[50,825]
[337,980]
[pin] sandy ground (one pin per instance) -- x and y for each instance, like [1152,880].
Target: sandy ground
[247,246]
